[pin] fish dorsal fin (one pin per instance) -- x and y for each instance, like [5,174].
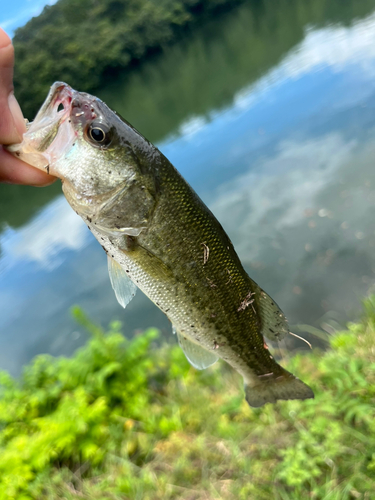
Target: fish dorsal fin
[274,325]
[197,356]
[122,285]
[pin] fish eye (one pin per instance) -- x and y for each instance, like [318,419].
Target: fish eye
[99,134]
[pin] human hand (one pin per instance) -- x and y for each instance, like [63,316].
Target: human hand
[12,125]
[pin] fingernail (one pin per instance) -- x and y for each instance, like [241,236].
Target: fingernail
[19,122]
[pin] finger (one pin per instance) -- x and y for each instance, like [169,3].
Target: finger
[12,124]
[14,171]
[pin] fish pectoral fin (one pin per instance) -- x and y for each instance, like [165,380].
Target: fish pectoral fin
[271,389]
[119,231]
[197,356]
[122,285]
[274,325]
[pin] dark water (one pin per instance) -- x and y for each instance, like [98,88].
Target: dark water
[269,112]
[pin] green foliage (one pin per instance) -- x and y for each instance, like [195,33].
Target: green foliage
[86,42]
[131,420]
[77,40]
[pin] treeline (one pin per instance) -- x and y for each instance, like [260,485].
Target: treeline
[86,42]
[78,40]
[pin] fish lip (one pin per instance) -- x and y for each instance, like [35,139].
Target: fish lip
[63,116]
[78,107]
[60,93]
[39,146]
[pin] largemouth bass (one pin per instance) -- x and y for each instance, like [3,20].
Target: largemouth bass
[159,236]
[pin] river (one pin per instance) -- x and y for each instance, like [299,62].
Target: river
[268,111]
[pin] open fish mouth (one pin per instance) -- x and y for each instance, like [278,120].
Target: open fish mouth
[60,94]
[51,134]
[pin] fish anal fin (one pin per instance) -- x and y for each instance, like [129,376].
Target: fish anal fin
[271,389]
[122,285]
[197,356]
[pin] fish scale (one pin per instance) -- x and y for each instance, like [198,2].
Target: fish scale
[160,236]
[180,301]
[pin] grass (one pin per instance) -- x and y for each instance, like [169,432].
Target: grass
[129,420]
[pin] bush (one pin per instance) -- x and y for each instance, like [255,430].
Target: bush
[130,420]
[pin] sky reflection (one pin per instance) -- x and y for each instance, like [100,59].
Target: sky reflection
[288,171]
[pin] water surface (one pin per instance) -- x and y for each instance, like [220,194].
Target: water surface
[269,114]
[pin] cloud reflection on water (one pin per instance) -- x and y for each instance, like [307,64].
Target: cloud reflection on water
[56,228]
[341,49]
[287,169]
[307,234]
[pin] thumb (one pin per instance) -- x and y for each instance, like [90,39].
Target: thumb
[12,123]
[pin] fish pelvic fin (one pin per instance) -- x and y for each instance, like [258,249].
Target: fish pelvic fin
[197,356]
[270,389]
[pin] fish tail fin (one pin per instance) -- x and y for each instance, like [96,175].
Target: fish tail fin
[270,390]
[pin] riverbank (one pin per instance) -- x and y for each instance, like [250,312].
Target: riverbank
[125,419]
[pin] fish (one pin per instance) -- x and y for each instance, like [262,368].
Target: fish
[160,237]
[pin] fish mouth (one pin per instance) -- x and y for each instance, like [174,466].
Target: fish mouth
[51,134]
[60,93]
